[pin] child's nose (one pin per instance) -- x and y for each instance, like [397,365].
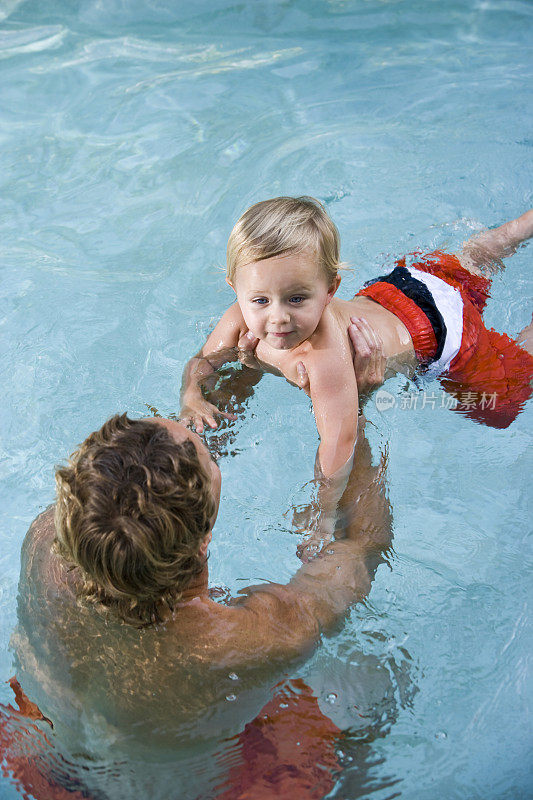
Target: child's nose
[279,313]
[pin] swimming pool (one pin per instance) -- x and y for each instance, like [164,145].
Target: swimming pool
[133,136]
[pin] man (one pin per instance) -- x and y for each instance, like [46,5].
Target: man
[121,647]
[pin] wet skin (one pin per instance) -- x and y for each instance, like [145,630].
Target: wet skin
[172,675]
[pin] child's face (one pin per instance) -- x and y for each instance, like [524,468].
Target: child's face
[283,298]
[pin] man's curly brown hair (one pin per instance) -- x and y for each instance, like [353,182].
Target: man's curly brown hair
[133,508]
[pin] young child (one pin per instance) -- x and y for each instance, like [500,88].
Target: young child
[283,262]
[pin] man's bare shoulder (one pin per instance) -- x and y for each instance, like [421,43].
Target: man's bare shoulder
[42,568]
[266,623]
[40,537]
[43,525]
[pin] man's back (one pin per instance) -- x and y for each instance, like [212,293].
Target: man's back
[79,665]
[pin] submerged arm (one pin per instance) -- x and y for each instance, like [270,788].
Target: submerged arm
[322,590]
[317,520]
[227,343]
[346,566]
[333,391]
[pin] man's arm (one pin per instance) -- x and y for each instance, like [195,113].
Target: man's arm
[495,244]
[290,618]
[317,520]
[363,534]
[229,338]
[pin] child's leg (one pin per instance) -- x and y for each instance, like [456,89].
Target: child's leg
[482,254]
[525,338]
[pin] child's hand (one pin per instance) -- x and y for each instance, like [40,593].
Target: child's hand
[316,531]
[199,412]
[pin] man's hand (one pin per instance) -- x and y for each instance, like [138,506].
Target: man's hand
[198,413]
[246,346]
[368,360]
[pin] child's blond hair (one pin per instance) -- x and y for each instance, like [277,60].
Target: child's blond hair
[282,226]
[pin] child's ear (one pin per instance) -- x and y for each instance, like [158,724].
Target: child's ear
[333,287]
[230,284]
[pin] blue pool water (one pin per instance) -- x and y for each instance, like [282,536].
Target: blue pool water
[132,135]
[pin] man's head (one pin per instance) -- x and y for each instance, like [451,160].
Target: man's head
[135,507]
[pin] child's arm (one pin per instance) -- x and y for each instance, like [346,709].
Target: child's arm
[496,243]
[229,338]
[333,390]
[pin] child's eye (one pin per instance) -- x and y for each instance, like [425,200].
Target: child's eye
[261,301]
[297,299]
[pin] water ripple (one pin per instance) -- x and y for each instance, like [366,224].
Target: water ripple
[31,40]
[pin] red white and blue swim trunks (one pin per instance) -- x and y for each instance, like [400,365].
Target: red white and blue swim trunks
[440,303]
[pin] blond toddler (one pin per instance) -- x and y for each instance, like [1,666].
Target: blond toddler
[283,264]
